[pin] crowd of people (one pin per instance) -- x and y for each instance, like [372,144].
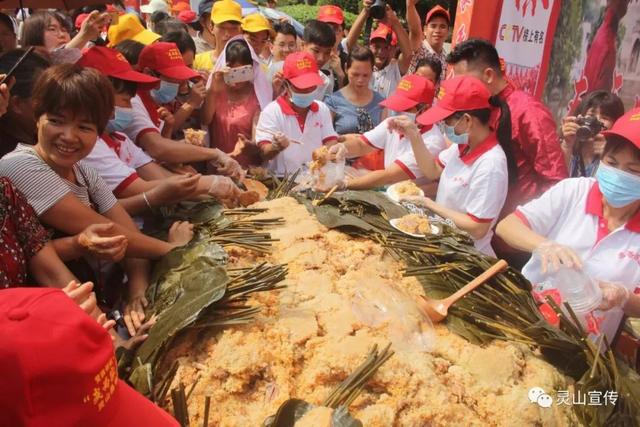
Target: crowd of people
[96,122]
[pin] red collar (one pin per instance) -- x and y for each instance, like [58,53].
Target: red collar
[150,105]
[594,207]
[287,108]
[507,91]
[468,157]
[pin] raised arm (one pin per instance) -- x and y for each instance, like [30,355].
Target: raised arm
[415,26]
[358,25]
[406,51]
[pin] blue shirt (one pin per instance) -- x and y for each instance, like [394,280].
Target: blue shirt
[350,118]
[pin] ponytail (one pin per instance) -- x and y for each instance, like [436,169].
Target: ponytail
[503,132]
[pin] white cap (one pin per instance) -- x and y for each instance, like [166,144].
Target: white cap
[155,6]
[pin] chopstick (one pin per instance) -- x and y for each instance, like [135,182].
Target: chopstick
[329,194]
[272,133]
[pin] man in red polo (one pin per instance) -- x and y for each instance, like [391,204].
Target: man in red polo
[536,146]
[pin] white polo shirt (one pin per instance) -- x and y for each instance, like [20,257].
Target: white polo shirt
[397,148]
[570,213]
[142,122]
[116,158]
[386,80]
[475,183]
[312,131]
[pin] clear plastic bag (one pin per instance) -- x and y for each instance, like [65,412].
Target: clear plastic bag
[375,304]
[329,175]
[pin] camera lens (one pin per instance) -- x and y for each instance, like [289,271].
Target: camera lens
[377,10]
[583,133]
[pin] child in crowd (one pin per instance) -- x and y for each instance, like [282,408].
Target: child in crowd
[226,16]
[319,39]
[232,108]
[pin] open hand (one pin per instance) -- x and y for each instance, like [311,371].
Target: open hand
[98,240]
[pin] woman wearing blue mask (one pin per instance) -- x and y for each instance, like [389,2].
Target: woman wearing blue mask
[475,171]
[295,124]
[591,224]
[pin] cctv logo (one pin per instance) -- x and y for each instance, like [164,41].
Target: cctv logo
[538,395]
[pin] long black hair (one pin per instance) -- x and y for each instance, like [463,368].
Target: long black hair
[503,132]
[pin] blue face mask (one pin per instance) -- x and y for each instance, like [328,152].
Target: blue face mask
[410,116]
[166,93]
[303,100]
[122,120]
[618,187]
[450,133]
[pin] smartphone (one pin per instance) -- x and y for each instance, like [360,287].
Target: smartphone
[17,64]
[239,74]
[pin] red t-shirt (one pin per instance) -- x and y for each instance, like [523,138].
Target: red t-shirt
[536,148]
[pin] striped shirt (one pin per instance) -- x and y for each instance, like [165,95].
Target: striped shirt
[43,188]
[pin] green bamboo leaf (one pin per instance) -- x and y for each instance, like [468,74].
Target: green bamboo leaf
[202,285]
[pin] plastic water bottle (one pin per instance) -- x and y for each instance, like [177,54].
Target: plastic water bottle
[577,289]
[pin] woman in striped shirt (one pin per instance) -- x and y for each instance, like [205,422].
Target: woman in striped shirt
[72,106]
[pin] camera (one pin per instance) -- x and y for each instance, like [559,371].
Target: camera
[378,9]
[589,127]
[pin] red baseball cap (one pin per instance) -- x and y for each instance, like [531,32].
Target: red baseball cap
[331,14]
[411,91]
[384,32]
[187,16]
[627,127]
[166,59]
[462,93]
[58,367]
[80,19]
[112,63]
[301,70]
[438,11]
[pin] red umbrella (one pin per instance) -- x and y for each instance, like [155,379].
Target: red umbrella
[50,4]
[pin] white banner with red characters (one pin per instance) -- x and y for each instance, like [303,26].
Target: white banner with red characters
[524,37]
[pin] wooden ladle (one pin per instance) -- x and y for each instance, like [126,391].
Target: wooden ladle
[437,309]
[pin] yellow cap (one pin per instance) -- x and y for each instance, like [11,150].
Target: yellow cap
[255,23]
[130,28]
[226,10]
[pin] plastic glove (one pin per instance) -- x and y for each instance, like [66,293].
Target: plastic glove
[280,141]
[553,255]
[613,295]
[338,152]
[229,167]
[223,188]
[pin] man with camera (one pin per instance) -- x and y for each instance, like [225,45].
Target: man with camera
[582,140]
[383,42]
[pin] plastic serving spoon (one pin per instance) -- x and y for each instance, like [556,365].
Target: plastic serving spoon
[437,309]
